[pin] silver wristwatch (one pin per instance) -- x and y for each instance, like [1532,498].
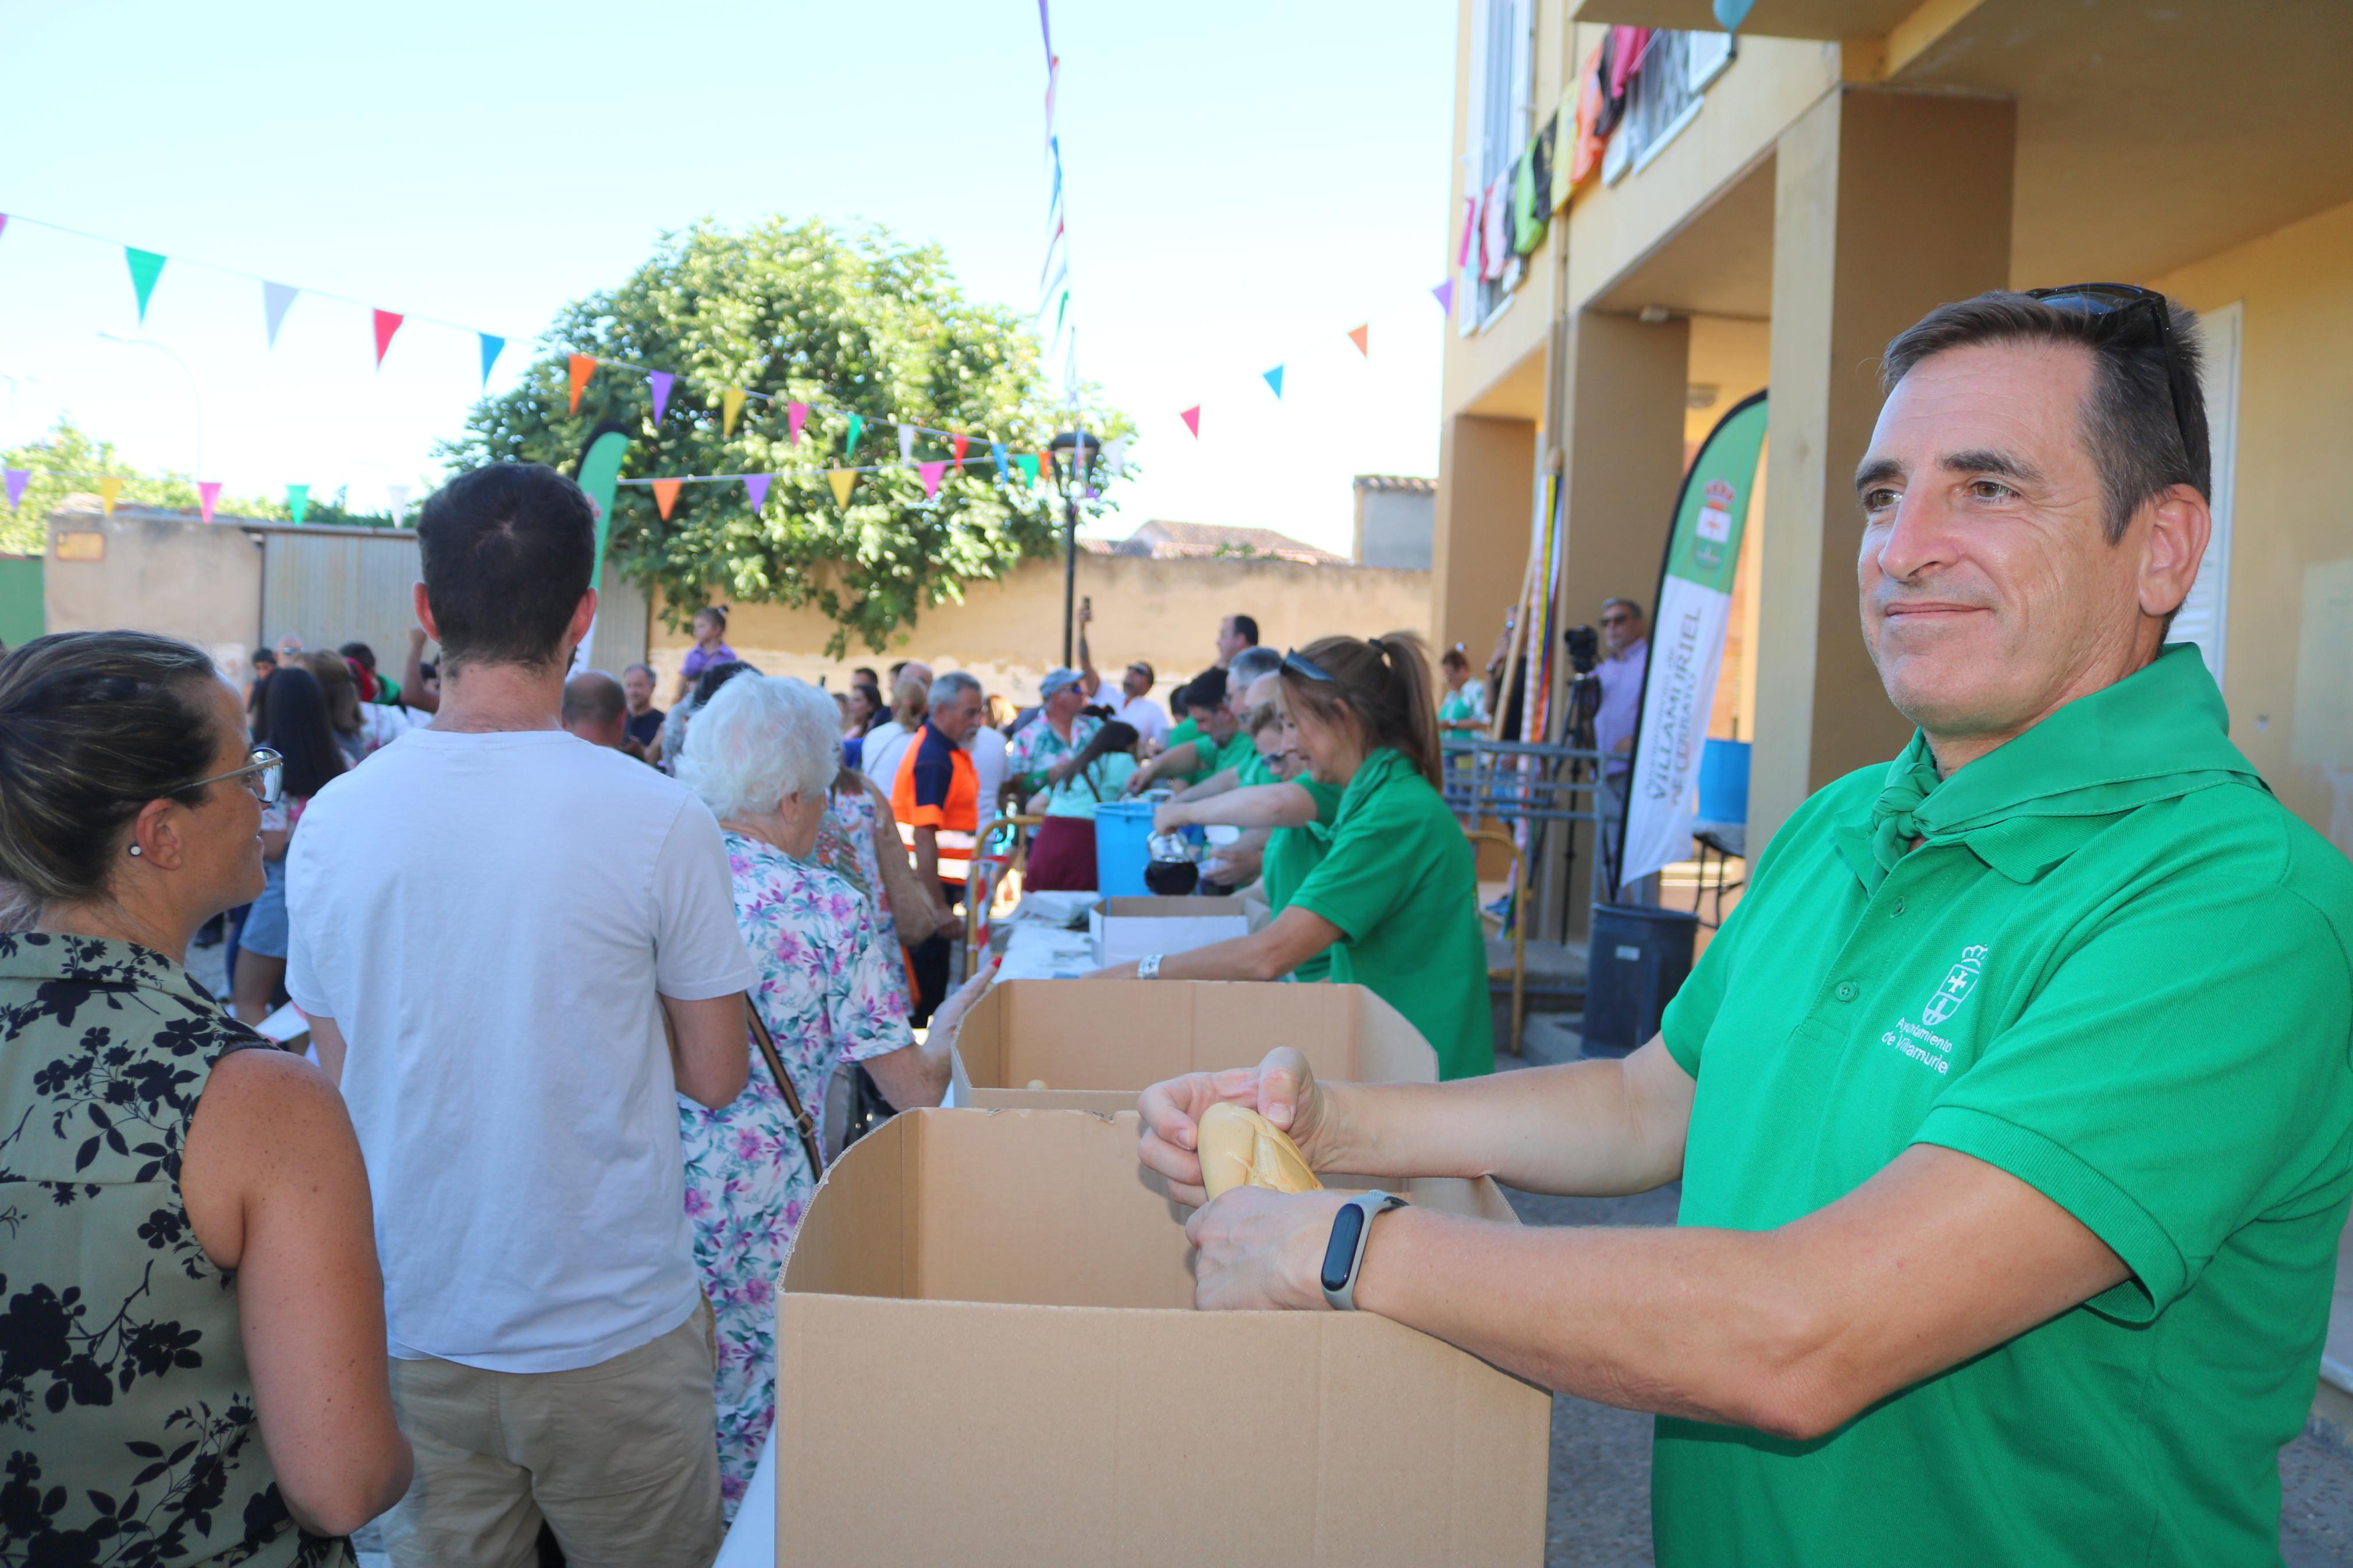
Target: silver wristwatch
[1148,966]
[1343,1255]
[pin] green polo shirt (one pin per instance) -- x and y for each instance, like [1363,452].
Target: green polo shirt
[2116,968]
[1396,878]
[1292,852]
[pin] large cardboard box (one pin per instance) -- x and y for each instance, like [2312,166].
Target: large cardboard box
[1096,1044]
[987,1354]
[1125,930]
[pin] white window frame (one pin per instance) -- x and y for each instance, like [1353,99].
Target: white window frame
[1484,158]
[1708,55]
[2204,617]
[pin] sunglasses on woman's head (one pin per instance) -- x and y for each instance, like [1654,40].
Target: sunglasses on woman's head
[1294,659]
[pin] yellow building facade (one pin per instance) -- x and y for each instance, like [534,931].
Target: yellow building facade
[1775,206]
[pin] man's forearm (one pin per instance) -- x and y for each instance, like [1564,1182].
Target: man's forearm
[1222,781]
[1252,806]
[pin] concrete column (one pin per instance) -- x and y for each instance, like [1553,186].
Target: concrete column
[1479,540]
[1886,204]
[1621,386]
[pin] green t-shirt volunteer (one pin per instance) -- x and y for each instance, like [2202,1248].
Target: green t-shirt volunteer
[1396,878]
[2116,968]
[1292,852]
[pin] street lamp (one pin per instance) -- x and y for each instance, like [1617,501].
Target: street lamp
[1081,446]
[196,392]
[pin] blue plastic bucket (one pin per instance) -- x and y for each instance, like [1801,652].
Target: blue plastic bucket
[1123,846]
[1723,782]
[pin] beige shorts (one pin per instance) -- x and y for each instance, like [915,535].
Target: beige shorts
[620,1458]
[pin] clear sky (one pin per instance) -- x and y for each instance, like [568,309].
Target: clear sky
[1247,182]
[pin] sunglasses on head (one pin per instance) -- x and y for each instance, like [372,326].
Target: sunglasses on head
[1296,660]
[2115,299]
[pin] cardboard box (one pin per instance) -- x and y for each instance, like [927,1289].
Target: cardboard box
[986,1354]
[1096,1044]
[1125,930]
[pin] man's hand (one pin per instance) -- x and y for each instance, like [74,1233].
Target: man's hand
[1262,1250]
[416,639]
[1086,611]
[1283,1088]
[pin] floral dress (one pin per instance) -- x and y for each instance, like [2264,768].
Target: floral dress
[845,847]
[826,994]
[126,1407]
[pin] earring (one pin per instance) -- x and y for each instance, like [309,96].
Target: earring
[134,849]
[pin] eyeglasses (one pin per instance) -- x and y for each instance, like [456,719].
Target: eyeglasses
[1296,660]
[2115,299]
[1618,618]
[264,774]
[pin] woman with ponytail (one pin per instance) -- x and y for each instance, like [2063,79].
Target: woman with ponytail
[1393,899]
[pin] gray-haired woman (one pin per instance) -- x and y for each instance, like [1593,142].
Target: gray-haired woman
[763,754]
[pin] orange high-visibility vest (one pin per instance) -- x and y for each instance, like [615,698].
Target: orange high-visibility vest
[957,823]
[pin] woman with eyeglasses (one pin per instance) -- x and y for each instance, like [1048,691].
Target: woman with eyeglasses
[190,1305]
[1393,899]
[296,726]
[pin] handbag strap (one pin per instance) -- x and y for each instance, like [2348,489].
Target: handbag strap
[812,1145]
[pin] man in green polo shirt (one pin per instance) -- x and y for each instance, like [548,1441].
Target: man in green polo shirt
[2012,1107]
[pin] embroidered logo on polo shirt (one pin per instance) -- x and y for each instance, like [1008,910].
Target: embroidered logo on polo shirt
[1958,982]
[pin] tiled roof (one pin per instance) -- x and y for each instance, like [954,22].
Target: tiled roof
[1407,482]
[1177,541]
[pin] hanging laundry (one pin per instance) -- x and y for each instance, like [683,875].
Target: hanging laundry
[1470,231]
[1584,157]
[1532,193]
[1495,227]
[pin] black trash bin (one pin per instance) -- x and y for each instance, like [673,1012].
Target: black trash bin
[1637,961]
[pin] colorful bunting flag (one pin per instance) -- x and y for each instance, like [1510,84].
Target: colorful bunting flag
[490,347]
[756,487]
[666,496]
[1444,295]
[1273,379]
[17,479]
[906,443]
[931,474]
[857,428]
[297,502]
[386,323]
[207,497]
[959,444]
[399,496]
[1028,463]
[275,298]
[1362,337]
[581,366]
[842,480]
[1192,418]
[145,268]
[730,408]
[661,380]
[996,454]
[796,415]
[109,491]
[4,223]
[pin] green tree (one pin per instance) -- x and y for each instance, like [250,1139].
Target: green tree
[850,323]
[69,461]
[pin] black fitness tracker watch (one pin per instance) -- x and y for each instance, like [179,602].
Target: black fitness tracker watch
[1344,1253]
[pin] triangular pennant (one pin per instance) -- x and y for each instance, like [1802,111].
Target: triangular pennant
[1730,13]
[17,479]
[842,480]
[386,323]
[276,300]
[207,497]
[1444,295]
[110,490]
[996,454]
[659,380]
[1362,337]
[957,446]
[857,428]
[666,496]
[297,502]
[399,496]
[1027,464]
[730,409]
[145,268]
[906,443]
[1192,418]
[4,223]
[490,347]
[581,366]
[1273,379]
[931,474]
[796,415]
[756,487]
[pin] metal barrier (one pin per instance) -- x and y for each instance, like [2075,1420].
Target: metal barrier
[1521,781]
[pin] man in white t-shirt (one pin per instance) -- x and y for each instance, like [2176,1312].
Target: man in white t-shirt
[508,1017]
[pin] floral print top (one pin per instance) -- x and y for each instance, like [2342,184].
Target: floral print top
[1038,747]
[126,1409]
[830,996]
